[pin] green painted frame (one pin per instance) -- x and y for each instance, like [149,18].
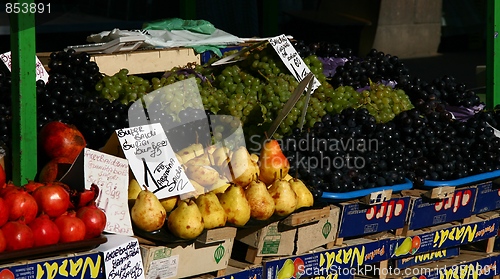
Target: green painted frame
[24,129]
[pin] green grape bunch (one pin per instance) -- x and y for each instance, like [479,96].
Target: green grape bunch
[123,87]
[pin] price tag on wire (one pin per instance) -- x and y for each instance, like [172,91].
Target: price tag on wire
[292,59]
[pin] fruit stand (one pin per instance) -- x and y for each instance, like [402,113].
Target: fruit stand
[280,159]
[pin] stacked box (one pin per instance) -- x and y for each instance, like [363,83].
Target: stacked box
[370,219]
[180,260]
[82,265]
[298,233]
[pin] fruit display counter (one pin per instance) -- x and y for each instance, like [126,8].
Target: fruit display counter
[235,157]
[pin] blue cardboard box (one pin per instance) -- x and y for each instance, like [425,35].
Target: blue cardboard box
[427,257]
[338,262]
[83,265]
[456,207]
[487,197]
[441,237]
[467,265]
[389,215]
[256,272]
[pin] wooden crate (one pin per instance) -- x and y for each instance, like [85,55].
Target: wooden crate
[139,61]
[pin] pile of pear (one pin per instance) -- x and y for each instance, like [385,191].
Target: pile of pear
[231,187]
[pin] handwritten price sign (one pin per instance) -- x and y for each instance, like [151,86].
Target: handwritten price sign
[153,160]
[122,258]
[292,59]
[110,174]
[41,73]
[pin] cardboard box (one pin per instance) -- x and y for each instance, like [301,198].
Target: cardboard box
[338,262]
[271,240]
[469,264]
[318,234]
[241,270]
[487,197]
[481,227]
[427,257]
[456,207]
[356,219]
[140,61]
[279,238]
[81,265]
[185,260]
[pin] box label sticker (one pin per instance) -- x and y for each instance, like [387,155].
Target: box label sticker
[164,268]
[271,241]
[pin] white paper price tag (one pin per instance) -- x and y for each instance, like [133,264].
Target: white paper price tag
[153,160]
[41,73]
[292,59]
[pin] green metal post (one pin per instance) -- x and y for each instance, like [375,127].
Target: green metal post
[492,49]
[188,9]
[24,136]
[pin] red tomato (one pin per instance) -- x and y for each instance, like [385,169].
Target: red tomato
[17,236]
[21,205]
[71,228]
[52,199]
[45,231]
[94,219]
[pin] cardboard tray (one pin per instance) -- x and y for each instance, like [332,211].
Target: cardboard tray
[47,250]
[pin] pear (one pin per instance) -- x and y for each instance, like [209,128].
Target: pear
[198,190]
[169,203]
[186,221]
[179,159]
[204,175]
[220,155]
[241,168]
[211,210]
[133,189]
[236,205]
[200,160]
[210,149]
[190,152]
[273,163]
[254,157]
[304,196]
[285,199]
[147,213]
[261,203]
[220,185]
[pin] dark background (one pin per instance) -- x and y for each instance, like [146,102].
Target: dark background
[461,49]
